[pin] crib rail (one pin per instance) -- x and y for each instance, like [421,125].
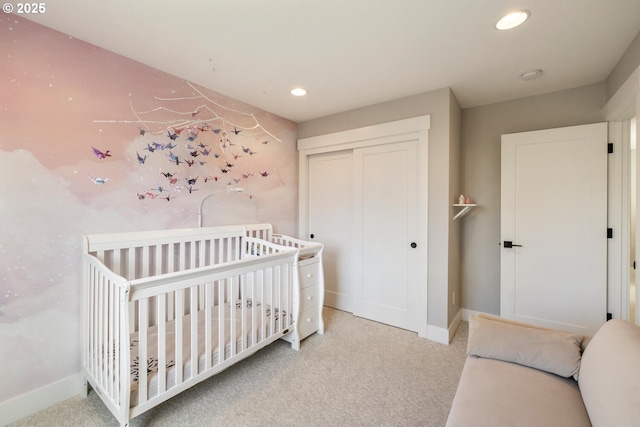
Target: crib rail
[226,312]
[148,253]
[257,247]
[307,249]
[265,232]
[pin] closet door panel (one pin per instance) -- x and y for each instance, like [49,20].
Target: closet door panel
[330,213]
[385,208]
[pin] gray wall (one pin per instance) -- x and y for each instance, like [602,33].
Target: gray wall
[482,128]
[444,172]
[627,64]
[456,187]
[481,131]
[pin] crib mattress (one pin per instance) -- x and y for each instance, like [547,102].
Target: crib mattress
[170,340]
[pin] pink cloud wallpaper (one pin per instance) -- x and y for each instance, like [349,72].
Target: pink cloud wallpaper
[94,142]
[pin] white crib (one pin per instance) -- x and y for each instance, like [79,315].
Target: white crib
[164,310]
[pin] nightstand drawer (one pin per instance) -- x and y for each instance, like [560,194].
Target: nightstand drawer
[309,298]
[309,275]
[308,323]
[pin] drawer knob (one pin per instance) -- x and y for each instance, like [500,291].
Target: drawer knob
[309,320]
[309,275]
[309,297]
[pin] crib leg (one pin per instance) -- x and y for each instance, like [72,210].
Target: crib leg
[295,341]
[84,388]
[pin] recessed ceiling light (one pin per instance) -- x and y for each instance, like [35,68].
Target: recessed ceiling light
[298,91]
[513,19]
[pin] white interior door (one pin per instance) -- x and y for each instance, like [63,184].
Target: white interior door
[385,217]
[554,212]
[330,215]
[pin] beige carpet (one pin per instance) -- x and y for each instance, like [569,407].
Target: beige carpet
[359,373]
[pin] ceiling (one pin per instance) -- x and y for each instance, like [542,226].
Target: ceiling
[354,53]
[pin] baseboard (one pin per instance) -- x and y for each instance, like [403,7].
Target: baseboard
[466,313]
[442,335]
[29,403]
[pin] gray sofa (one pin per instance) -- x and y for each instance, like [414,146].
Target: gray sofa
[521,375]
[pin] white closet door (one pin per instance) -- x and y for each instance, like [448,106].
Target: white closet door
[330,214]
[385,233]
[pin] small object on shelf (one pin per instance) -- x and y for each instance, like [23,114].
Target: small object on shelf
[467,201]
[461,199]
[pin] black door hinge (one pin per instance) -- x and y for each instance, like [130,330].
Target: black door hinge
[610,147]
[609,233]
[609,316]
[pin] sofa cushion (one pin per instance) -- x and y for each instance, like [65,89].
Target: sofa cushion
[494,393]
[552,351]
[610,375]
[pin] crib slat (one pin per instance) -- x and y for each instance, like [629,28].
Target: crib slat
[99,323]
[282,278]
[191,260]
[152,270]
[232,317]
[254,297]
[183,255]
[171,257]
[118,344]
[214,251]
[159,259]
[163,260]
[255,283]
[244,296]
[100,330]
[162,344]
[229,243]
[129,259]
[263,306]
[91,320]
[111,339]
[208,325]
[143,315]
[114,261]
[194,331]
[221,321]
[179,300]
[271,298]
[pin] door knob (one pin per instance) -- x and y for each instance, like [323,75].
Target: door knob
[510,244]
[312,235]
[414,245]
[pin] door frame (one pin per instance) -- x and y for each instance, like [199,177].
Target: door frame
[620,108]
[412,129]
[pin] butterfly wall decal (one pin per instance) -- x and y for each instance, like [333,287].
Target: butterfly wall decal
[98,180]
[101,154]
[141,159]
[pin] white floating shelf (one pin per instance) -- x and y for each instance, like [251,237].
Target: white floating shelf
[465,208]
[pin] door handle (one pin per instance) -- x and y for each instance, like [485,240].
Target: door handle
[509,244]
